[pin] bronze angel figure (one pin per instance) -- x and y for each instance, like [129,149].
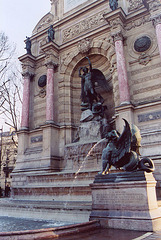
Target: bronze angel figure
[122,151]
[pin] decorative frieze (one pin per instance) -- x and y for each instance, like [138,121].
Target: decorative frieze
[137,22]
[149,116]
[87,24]
[135,4]
[153,5]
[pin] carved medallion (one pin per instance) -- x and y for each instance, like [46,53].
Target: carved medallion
[42,81]
[142,44]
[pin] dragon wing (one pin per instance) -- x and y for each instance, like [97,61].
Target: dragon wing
[123,145]
[99,79]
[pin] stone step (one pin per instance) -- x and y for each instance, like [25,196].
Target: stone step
[67,193]
[53,179]
[70,211]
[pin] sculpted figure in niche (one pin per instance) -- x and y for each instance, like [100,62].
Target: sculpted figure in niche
[113,4]
[51,34]
[90,79]
[28,45]
[122,151]
[88,94]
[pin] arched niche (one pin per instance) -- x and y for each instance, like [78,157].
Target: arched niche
[99,62]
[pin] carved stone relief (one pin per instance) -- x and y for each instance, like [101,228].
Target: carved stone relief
[144,59]
[84,45]
[83,26]
[106,44]
[44,22]
[134,4]
[156,19]
[142,44]
[153,5]
[137,22]
[145,49]
[149,116]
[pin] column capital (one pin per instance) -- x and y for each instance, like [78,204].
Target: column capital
[156,19]
[28,74]
[117,36]
[50,64]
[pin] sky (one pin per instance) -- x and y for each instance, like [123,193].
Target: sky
[17,20]
[19,17]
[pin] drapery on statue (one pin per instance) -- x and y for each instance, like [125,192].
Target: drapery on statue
[51,33]
[113,4]
[122,151]
[28,45]
[90,98]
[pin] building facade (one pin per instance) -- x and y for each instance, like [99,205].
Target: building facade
[124,43]
[8,154]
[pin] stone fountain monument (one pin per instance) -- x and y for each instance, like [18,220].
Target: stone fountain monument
[114,47]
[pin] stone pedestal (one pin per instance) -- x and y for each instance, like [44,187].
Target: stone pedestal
[126,201]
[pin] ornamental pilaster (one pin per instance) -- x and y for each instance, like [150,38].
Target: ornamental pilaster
[51,65]
[27,77]
[121,68]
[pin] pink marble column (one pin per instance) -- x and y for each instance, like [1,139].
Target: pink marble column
[26,101]
[121,69]
[157,24]
[50,92]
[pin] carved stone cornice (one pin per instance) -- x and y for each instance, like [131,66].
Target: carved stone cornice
[116,19]
[156,19]
[117,36]
[27,58]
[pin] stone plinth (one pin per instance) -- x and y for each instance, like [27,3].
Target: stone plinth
[126,201]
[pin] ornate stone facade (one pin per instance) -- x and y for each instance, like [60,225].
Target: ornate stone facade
[108,38]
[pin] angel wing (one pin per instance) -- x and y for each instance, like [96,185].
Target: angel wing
[123,146]
[99,79]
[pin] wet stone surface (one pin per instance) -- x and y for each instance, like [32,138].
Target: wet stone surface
[9,224]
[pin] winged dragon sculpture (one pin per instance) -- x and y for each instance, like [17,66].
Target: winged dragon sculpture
[122,151]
